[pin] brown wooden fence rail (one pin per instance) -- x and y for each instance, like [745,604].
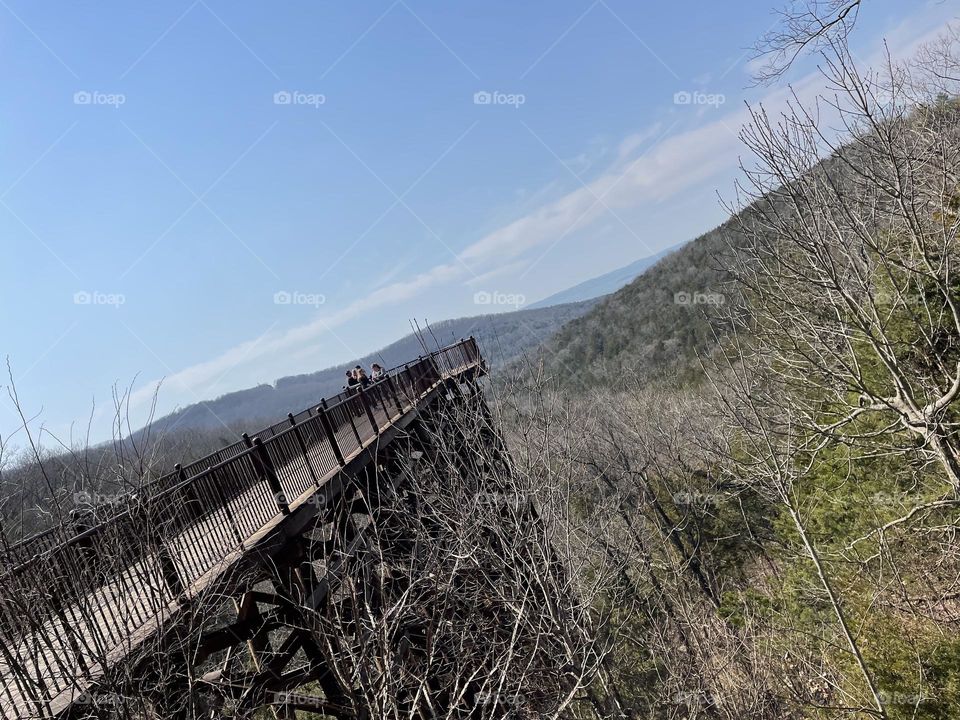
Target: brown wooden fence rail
[69,602]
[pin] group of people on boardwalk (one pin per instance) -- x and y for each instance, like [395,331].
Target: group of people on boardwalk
[358,376]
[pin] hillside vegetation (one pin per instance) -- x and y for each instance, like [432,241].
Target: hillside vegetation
[786,495]
[653,327]
[605,284]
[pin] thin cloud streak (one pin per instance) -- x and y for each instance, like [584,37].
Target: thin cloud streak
[674,164]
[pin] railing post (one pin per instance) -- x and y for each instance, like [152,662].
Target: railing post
[434,370]
[168,569]
[331,436]
[303,449]
[265,465]
[382,391]
[193,502]
[171,576]
[408,383]
[366,406]
[353,425]
[396,395]
[420,378]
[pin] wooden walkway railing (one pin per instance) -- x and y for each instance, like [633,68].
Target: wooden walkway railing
[71,605]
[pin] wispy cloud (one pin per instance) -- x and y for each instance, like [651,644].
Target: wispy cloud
[671,166]
[643,173]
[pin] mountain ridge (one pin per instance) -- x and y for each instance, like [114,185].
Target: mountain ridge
[502,336]
[653,327]
[606,283]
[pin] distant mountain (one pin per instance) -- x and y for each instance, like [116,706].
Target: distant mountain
[502,337]
[652,328]
[603,284]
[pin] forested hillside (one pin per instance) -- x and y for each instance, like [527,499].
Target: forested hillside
[604,284]
[784,499]
[654,326]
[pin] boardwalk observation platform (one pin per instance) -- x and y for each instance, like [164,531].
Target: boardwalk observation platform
[76,603]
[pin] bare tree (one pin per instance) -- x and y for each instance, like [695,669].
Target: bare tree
[804,26]
[851,263]
[843,357]
[471,595]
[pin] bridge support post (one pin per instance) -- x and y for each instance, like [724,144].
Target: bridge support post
[269,473]
[356,433]
[171,576]
[395,394]
[194,506]
[331,436]
[303,449]
[365,401]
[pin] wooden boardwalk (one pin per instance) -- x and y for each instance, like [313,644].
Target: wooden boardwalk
[76,610]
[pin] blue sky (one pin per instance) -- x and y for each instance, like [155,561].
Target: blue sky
[171,173]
